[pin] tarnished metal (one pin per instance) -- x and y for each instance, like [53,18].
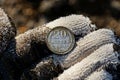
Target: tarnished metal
[60,40]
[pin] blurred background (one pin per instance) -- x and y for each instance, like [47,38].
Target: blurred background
[28,14]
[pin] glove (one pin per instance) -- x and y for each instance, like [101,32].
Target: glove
[27,57]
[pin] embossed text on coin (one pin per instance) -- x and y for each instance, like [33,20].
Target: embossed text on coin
[60,40]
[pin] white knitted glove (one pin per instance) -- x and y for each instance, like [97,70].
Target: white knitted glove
[26,56]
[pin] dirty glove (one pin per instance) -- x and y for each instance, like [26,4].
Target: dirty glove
[27,57]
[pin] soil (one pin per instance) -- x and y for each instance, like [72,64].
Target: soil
[28,14]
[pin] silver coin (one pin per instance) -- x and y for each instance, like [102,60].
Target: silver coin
[60,40]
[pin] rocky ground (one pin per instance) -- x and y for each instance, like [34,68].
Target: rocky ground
[28,13]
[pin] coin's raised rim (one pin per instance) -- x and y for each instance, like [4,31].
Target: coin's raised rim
[71,46]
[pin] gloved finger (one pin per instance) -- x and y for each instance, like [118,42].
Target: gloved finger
[109,71]
[91,63]
[7,30]
[7,46]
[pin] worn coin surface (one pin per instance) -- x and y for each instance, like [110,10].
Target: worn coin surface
[60,40]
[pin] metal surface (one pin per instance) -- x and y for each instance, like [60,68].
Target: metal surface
[60,40]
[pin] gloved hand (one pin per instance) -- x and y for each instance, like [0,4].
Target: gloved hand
[27,57]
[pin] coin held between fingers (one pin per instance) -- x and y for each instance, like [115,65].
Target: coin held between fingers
[60,40]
